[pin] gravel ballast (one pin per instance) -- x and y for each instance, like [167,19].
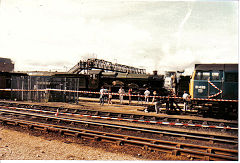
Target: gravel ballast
[15,145]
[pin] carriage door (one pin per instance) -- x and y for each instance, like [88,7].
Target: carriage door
[215,84]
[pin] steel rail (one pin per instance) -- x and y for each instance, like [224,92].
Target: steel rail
[125,119]
[203,152]
[190,135]
[192,121]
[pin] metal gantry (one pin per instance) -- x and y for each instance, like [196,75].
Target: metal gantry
[93,63]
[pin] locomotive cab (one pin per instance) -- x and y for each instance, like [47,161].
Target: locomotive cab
[214,81]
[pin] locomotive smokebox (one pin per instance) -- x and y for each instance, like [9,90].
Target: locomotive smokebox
[155,72]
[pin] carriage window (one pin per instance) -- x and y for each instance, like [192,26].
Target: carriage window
[215,76]
[202,75]
[205,75]
[198,76]
[231,77]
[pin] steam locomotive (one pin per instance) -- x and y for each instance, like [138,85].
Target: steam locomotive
[137,82]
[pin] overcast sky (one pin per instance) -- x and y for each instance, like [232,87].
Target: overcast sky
[151,34]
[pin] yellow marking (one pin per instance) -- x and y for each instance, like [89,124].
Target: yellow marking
[191,84]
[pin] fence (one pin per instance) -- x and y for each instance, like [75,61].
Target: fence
[35,83]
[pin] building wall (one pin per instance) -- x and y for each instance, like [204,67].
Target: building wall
[6,65]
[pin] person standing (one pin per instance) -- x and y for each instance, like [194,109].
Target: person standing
[102,96]
[139,97]
[121,92]
[129,94]
[185,100]
[154,94]
[158,106]
[146,93]
[109,96]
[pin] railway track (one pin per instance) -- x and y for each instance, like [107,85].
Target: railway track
[202,152]
[161,120]
[176,148]
[211,138]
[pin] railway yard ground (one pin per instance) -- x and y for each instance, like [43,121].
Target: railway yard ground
[25,143]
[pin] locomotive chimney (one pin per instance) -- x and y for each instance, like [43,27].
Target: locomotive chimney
[155,72]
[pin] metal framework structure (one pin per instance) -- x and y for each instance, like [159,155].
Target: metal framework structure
[104,65]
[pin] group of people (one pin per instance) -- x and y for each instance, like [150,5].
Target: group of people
[121,92]
[105,95]
[170,102]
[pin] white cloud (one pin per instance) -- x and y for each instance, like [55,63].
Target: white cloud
[45,34]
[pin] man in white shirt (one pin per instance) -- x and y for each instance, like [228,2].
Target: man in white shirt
[147,93]
[121,92]
[185,100]
[102,91]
